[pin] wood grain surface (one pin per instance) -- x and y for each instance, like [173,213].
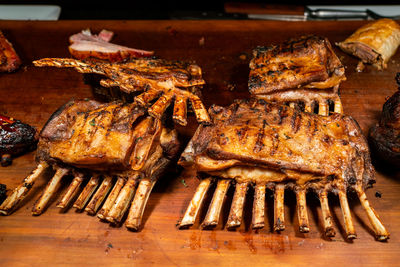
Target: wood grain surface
[223,50]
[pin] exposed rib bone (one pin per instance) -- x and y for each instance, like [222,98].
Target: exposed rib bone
[323,109]
[380,231]
[326,214]
[236,212]
[145,98]
[348,222]
[279,208]
[180,111]
[108,204]
[258,220]
[99,196]
[292,105]
[199,110]
[22,190]
[87,192]
[214,209]
[302,214]
[158,108]
[195,204]
[139,203]
[71,192]
[51,187]
[338,108]
[108,83]
[308,107]
[123,200]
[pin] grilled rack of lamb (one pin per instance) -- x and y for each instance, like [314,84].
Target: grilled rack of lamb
[9,59]
[85,45]
[302,71]
[166,81]
[15,138]
[253,142]
[385,136]
[111,143]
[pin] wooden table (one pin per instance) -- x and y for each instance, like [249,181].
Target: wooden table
[223,50]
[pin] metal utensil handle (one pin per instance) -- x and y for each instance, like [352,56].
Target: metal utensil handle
[336,13]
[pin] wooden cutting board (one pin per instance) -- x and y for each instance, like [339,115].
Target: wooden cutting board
[223,50]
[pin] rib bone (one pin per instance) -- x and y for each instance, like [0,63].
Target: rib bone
[348,222]
[302,214]
[323,109]
[51,188]
[87,192]
[108,204]
[326,214]
[258,220]
[195,204]
[99,196]
[236,212]
[22,190]
[72,191]
[214,209]
[279,208]
[139,203]
[180,111]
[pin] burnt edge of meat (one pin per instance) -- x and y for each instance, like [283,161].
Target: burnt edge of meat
[3,191]
[384,137]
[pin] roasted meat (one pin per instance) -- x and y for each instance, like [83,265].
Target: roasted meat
[384,137]
[163,80]
[106,142]
[15,138]
[9,59]
[374,43]
[85,45]
[253,142]
[304,70]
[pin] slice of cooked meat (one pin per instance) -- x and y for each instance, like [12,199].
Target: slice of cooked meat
[385,135]
[166,81]
[306,62]
[85,45]
[374,43]
[9,59]
[15,138]
[277,147]
[110,143]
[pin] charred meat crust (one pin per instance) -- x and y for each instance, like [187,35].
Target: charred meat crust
[17,138]
[308,61]
[257,133]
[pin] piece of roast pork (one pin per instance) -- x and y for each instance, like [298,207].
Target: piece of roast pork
[16,138]
[156,80]
[85,45]
[255,143]
[115,153]
[303,71]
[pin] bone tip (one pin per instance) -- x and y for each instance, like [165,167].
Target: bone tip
[111,220]
[208,225]
[382,238]
[351,236]
[258,225]
[279,227]
[232,225]
[304,229]
[36,212]
[90,212]
[4,212]
[134,227]
[330,232]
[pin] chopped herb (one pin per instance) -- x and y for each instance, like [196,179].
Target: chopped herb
[138,139]
[109,245]
[287,137]
[92,122]
[184,183]
[138,157]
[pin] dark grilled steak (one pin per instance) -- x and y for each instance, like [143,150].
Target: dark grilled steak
[271,146]
[15,138]
[9,59]
[385,136]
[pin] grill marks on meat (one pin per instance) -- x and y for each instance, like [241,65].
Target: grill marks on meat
[166,81]
[15,138]
[9,59]
[116,145]
[303,70]
[283,148]
[85,45]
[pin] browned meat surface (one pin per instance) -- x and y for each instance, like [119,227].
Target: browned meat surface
[9,59]
[15,138]
[385,136]
[166,81]
[257,143]
[308,61]
[85,45]
[110,143]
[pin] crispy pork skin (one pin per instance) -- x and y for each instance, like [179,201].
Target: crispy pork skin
[9,59]
[308,61]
